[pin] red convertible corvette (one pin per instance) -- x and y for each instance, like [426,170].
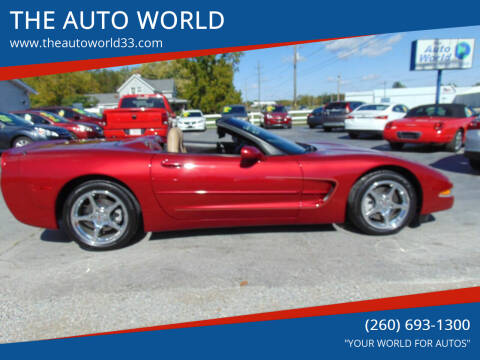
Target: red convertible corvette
[443,124]
[104,193]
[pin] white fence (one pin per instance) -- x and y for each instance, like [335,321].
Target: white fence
[299,117]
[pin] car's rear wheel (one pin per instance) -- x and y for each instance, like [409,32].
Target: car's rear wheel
[21,141]
[327,129]
[381,203]
[395,145]
[353,135]
[311,126]
[101,215]
[475,164]
[456,144]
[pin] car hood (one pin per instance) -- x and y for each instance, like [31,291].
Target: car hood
[190,118]
[235,115]
[142,144]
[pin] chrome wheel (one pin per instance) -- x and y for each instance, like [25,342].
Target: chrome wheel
[22,142]
[385,205]
[99,218]
[458,141]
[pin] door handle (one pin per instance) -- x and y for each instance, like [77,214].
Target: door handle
[171,164]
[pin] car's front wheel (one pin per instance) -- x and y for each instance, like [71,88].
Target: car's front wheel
[101,215]
[21,141]
[382,203]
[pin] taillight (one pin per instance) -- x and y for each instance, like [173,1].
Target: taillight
[438,126]
[475,124]
[388,125]
[349,117]
[383,117]
[165,118]
[310,115]
[347,108]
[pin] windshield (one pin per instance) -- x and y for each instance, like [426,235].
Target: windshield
[374,107]
[336,106]
[86,113]
[276,109]
[436,110]
[284,145]
[191,114]
[142,102]
[10,119]
[53,117]
[234,110]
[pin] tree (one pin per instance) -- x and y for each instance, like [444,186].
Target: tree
[210,81]
[69,88]
[398,85]
[63,89]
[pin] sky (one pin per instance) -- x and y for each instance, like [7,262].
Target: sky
[363,63]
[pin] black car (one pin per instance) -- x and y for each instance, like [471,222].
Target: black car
[315,117]
[335,113]
[235,111]
[17,132]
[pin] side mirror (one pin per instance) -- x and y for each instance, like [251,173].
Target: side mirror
[251,154]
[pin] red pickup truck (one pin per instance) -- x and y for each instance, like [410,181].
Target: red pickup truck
[138,115]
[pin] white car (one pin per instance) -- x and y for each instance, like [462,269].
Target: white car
[192,120]
[372,118]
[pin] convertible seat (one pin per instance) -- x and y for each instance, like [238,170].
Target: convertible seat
[175,141]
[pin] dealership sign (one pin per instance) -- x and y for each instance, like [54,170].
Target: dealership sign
[442,54]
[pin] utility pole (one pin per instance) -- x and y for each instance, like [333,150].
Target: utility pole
[246,92]
[259,84]
[295,76]
[339,80]
[439,87]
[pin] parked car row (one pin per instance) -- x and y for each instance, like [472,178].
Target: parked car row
[20,128]
[448,125]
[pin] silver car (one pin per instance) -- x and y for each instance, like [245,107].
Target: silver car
[472,144]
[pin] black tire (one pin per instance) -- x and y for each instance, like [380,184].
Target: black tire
[311,126]
[475,164]
[353,135]
[354,206]
[456,144]
[289,126]
[21,141]
[132,208]
[395,145]
[327,129]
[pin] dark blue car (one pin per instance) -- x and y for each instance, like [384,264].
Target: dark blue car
[17,132]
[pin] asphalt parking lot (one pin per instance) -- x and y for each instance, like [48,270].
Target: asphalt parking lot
[52,288]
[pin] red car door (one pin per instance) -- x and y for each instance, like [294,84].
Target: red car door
[198,187]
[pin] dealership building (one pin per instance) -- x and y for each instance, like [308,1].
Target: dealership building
[418,96]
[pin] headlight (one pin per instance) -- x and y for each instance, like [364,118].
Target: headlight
[45,132]
[83,128]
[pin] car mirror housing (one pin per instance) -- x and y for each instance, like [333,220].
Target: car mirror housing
[251,153]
